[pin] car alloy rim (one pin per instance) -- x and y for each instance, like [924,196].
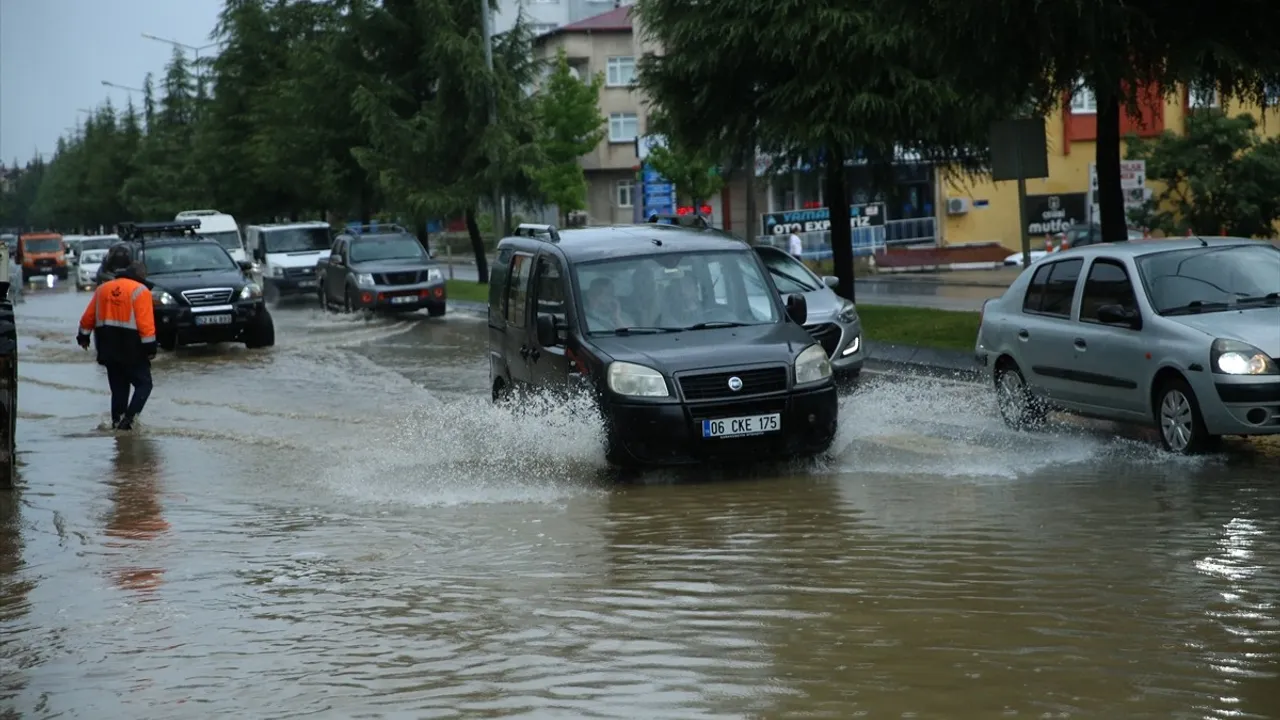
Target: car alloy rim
[1012,395]
[1175,420]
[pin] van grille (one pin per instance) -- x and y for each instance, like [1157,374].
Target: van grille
[712,411]
[709,386]
[299,272]
[208,296]
[827,335]
[398,278]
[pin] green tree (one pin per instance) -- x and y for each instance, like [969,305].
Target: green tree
[166,176]
[569,126]
[694,171]
[1220,176]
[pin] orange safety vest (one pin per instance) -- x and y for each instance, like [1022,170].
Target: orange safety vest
[122,321]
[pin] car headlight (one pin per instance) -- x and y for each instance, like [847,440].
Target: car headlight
[1232,357]
[434,275]
[636,380]
[848,312]
[812,365]
[364,280]
[250,291]
[162,297]
[277,271]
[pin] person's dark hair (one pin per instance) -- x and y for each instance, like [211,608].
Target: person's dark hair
[118,259]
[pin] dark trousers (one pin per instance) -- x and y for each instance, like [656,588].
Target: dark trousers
[123,377]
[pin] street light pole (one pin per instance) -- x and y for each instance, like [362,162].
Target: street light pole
[486,24]
[195,50]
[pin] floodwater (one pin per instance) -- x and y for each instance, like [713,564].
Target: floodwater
[343,527]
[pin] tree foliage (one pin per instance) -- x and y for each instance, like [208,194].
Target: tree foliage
[694,171]
[569,126]
[1220,176]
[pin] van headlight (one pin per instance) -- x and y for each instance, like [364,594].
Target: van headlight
[162,297]
[848,312]
[277,271]
[1231,357]
[812,365]
[364,281]
[250,291]
[636,380]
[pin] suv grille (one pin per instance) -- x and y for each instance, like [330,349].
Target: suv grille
[827,335]
[398,278]
[208,296]
[707,386]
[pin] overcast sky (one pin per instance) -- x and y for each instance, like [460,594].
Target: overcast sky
[54,55]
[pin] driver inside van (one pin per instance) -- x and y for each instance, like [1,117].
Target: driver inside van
[642,303]
[683,301]
[604,313]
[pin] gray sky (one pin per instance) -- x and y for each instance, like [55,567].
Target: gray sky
[54,55]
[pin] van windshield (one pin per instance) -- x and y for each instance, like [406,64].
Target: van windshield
[43,245]
[674,291]
[229,239]
[296,240]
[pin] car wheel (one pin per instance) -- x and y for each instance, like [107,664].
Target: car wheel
[1178,417]
[501,393]
[167,341]
[1019,408]
[434,311]
[271,294]
[262,334]
[349,301]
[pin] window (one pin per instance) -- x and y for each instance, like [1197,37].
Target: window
[1200,95]
[789,275]
[1035,290]
[518,290]
[1083,101]
[1107,284]
[1211,279]
[626,193]
[387,247]
[1052,288]
[549,295]
[497,284]
[187,257]
[623,127]
[622,71]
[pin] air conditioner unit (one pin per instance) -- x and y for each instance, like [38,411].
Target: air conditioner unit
[957,206]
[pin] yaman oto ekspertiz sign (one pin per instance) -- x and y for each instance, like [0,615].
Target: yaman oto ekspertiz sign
[819,219]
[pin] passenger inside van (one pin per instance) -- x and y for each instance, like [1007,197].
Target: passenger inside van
[604,312]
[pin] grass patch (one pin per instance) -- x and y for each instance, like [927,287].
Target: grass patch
[468,290]
[922,327]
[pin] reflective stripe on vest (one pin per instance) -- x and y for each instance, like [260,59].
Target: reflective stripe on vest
[130,324]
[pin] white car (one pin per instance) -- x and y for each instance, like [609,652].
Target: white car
[87,270]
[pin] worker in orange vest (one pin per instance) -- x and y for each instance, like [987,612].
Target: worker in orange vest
[122,321]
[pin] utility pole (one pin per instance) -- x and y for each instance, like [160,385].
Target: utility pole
[486,24]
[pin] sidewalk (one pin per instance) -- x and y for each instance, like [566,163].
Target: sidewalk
[1000,278]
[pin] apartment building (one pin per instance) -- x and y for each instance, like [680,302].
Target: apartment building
[547,15]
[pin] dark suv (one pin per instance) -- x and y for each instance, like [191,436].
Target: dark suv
[680,334]
[380,268]
[199,293]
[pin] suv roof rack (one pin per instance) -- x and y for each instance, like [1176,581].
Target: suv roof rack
[375,228]
[138,230]
[533,230]
[693,221]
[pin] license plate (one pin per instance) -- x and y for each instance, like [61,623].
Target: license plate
[307,283]
[402,299]
[213,319]
[748,425]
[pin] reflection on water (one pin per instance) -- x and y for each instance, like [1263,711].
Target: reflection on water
[346,527]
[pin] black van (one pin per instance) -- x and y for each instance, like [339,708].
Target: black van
[679,333]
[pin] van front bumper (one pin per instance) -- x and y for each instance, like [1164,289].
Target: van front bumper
[670,433]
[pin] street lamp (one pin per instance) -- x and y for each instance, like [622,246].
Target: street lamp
[195,50]
[126,88]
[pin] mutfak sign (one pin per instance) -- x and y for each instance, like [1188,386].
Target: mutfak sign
[1052,214]
[819,219]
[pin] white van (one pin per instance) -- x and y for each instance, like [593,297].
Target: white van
[218,226]
[288,254]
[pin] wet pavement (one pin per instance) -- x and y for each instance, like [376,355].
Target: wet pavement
[344,527]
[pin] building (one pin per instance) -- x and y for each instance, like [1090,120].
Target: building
[547,15]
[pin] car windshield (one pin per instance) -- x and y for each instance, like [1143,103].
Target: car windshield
[788,274]
[229,239]
[44,245]
[389,247]
[1211,279]
[90,257]
[187,257]
[296,240]
[674,291]
[97,243]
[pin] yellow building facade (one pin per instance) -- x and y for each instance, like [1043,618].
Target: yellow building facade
[987,211]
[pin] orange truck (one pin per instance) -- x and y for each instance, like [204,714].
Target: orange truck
[42,253]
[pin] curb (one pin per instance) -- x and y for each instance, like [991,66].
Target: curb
[956,364]
[906,279]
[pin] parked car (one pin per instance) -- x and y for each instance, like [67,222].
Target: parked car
[832,320]
[380,269]
[1182,335]
[679,334]
[200,294]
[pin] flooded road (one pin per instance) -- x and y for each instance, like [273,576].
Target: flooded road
[343,527]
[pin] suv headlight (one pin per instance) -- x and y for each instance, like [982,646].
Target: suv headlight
[162,297]
[434,275]
[1232,357]
[848,312]
[636,380]
[364,280]
[812,365]
[250,291]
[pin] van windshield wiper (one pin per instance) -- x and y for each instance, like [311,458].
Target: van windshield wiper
[1261,299]
[715,324]
[637,330]
[1196,306]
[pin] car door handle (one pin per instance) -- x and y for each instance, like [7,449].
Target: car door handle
[524,351]
[1023,334]
[1081,344]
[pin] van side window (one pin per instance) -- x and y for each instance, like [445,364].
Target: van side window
[548,291]
[497,288]
[518,290]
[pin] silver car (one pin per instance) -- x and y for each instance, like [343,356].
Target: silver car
[1183,335]
[832,320]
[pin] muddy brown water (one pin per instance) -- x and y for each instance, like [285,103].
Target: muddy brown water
[343,527]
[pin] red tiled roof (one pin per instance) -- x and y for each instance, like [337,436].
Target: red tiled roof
[616,20]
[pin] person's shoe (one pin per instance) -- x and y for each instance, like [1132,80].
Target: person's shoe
[126,423]
[115,423]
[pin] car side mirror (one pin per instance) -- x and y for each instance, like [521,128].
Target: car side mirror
[797,308]
[546,329]
[245,265]
[831,281]
[1118,315]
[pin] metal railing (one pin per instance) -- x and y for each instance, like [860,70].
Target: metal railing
[866,241]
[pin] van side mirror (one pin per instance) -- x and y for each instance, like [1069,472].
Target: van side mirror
[1119,315]
[831,281]
[797,308]
[258,254]
[546,329]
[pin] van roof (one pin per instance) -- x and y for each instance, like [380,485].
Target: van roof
[197,213]
[622,241]
[41,235]
[291,225]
